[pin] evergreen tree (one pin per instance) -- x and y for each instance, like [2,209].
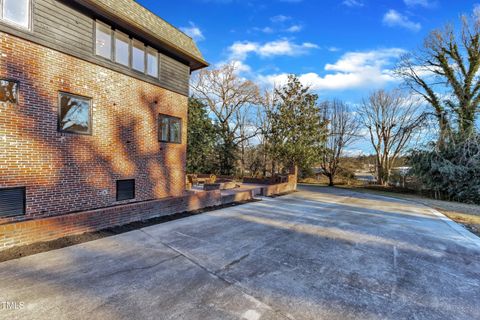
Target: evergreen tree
[298,130]
[201,139]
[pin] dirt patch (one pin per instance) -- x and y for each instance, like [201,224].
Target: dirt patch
[31,249]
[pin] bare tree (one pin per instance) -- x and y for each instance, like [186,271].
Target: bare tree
[229,98]
[445,72]
[343,128]
[392,120]
[264,123]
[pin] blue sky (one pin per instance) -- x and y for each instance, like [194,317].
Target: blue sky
[341,48]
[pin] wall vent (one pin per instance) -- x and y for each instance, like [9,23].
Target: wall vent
[12,202]
[125,189]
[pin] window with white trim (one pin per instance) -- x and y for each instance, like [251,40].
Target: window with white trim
[16,12]
[152,62]
[103,40]
[122,48]
[118,47]
[138,56]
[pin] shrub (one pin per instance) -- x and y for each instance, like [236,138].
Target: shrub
[451,172]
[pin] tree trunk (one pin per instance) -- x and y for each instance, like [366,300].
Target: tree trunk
[330,180]
[380,180]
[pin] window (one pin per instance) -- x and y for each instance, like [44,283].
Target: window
[74,114]
[12,202]
[169,129]
[122,48]
[103,40]
[16,12]
[125,190]
[152,62]
[138,56]
[118,47]
[175,135]
[8,91]
[163,128]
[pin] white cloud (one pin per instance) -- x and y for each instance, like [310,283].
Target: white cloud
[194,32]
[353,3]
[280,18]
[395,19]
[333,49]
[267,30]
[354,70]
[283,47]
[420,3]
[295,28]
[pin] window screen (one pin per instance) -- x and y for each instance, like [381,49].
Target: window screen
[125,189]
[12,202]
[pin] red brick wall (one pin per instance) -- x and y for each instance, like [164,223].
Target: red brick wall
[51,228]
[67,172]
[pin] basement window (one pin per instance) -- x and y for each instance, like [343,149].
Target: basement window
[125,189]
[169,129]
[16,12]
[8,92]
[103,40]
[12,202]
[74,114]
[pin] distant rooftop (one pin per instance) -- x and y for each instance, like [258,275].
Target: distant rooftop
[139,17]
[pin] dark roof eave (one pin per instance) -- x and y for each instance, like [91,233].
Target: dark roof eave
[199,66]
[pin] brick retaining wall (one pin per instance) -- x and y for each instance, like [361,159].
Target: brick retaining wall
[51,228]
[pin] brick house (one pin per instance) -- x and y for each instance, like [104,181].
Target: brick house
[93,107]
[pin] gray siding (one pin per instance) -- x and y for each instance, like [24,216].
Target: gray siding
[63,26]
[66,29]
[174,74]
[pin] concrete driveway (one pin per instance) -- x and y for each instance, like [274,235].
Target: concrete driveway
[317,254]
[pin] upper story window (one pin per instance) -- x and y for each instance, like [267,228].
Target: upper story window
[122,48]
[138,56]
[152,62]
[103,40]
[118,47]
[16,12]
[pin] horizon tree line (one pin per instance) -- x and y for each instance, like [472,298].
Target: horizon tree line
[264,133]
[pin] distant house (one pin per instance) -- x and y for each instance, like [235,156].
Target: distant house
[93,106]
